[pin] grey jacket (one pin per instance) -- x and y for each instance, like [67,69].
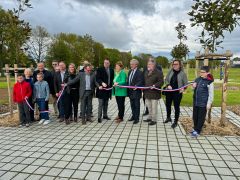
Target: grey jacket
[182,78]
[41,90]
[82,86]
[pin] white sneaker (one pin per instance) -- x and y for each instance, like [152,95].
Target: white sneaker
[41,121]
[46,122]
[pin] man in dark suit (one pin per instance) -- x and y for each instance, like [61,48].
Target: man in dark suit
[59,79]
[47,76]
[86,90]
[104,78]
[135,78]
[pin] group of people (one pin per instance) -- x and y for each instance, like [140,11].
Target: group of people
[67,87]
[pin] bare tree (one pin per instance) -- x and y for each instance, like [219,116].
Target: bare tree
[38,44]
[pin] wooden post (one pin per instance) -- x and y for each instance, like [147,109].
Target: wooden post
[196,68]
[9,90]
[224,92]
[15,71]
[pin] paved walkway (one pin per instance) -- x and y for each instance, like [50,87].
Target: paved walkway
[117,151]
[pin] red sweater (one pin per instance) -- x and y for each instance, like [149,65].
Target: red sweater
[20,91]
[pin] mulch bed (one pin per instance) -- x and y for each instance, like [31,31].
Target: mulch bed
[5,109]
[8,121]
[212,129]
[235,109]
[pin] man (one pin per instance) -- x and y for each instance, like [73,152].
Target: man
[104,78]
[86,90]
[135,78]
[59,79]
[47,76]
[55,69]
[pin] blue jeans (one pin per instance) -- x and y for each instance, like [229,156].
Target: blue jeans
[42,105]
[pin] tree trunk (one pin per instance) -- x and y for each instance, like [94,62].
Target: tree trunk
[9,90]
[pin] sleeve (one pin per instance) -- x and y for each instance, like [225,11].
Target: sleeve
[185,79]
[140,79]
[159,80]
[75,80]
[47,91]
[55,82]
[98,77]
[211,94]
[29,90]
[167,78]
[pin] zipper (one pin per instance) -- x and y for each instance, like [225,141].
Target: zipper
[21,90]
[197,90]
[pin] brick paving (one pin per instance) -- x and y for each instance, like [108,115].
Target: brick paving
[117,151]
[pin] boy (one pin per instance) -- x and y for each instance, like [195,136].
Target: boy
[21,91]
[41,96]
[202,99]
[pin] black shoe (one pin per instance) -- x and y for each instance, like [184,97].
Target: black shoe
[131,119]
[174,125]
[99,120]
[168,120]
[147,120]
[151,123]
[106,117]
[135,122]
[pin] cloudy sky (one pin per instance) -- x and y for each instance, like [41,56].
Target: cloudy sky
[130,25]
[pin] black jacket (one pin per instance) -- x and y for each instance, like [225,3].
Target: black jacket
[58,81]
[137,80]
[102,76]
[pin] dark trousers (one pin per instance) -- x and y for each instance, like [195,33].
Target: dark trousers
[30,101]
[121,106]
[61,106]
[102,107]
[42,105]
[86,104]
[135,106]
[199,114]
[71,103]
[24,114]
[174,98]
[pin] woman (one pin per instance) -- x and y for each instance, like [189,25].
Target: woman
[119,93]
[176,78]
[72,95]
[152,78]
[29,78]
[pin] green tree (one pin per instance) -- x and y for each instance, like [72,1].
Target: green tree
[114,55]
[181,50]
[163,61]
[38,43]
[214,18]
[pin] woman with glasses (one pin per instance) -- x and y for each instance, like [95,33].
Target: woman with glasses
[176,78]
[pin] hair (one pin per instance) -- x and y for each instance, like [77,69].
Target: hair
[72,64]
[106,59]
[85,62]
[61,62]
[119,63]
[29,70]
[179,61]
[152,60]
[20,75]
[135,61]
[205,68]
[40,74]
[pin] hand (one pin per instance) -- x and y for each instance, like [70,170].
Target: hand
[194,85]
[115,84]
[153,86]
[63,85]
[100,87]
[104,84]
[57,94]
[26,97]
[209,106]
[169,87]
[181,90]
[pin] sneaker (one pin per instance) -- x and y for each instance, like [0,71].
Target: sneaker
[41,121]
[27,125]
[20,125]
[46,122]
[194,134]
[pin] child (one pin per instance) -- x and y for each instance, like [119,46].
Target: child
[202,99]
[21,91]
[41,96]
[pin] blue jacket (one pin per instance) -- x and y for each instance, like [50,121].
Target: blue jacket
[41,90]
[203,93]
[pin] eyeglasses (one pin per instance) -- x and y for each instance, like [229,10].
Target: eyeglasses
[203,72]
[54,64]
[175,64]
